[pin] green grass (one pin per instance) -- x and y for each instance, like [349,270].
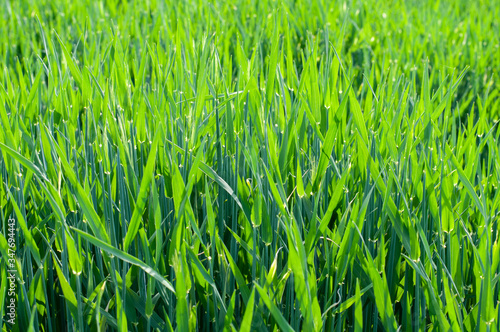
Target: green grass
[261,165]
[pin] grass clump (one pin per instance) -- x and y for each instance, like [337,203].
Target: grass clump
[261,165]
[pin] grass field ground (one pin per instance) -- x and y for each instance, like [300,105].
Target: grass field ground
[256,165]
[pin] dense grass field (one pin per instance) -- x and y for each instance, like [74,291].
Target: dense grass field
[249,166]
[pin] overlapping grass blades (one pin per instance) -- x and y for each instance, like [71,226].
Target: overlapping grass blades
[251,166]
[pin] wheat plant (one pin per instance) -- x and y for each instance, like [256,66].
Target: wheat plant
[248,166]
